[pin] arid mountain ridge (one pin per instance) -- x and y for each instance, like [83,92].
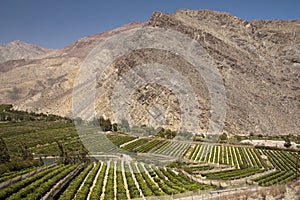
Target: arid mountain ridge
[17,50]
[258,60]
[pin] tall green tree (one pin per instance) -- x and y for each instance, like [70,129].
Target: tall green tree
[105,124]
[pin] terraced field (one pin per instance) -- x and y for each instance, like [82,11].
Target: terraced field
[122,172]
[157,146]
[247,162]
[240,157]
[277,166]
[102,180]
[121,179]
[40,137]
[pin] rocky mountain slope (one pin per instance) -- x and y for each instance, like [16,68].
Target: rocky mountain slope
[258,60]
[17,50]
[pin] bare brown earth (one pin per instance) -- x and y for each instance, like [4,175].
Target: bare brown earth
[258,60]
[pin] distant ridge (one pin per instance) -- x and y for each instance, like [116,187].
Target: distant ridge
[17,49]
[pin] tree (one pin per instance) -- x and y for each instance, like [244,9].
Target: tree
[160,133]
[105,124]
[287,143]
[78,121]
[2,117]
[4,155]
[84,154]
[63,153]
[170,134]
[115,127]
[223,137]
[24,150]
[8,118]
[166,133]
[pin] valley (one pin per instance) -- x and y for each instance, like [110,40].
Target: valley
[121,168]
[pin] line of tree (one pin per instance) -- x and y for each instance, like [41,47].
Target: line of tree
[7,113]
[166,133]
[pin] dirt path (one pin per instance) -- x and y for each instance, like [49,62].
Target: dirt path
[95,181]
[151,178]
[115,180]
[123,145]
[105,181]
[83,182]
[136,182]
[200,154]
[125,180]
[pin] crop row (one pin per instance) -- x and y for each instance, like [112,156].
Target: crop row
[9,175]
[4,193]
[228,155]
[197,169]
[38,188]
[233,174]
[168,148]
[109,187]
[133,145]
[150,145]
[285,164]
[247,161]
[120,180]
[124,180]
[174,149]
[120,139]
[277,177]
[71,191]
[99,180]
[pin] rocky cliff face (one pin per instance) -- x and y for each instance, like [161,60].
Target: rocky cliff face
[258,60]
[259,63]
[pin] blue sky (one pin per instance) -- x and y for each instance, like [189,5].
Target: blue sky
[57,23]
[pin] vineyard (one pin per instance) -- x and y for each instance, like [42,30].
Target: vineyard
[40,137]
[112,179]
[123,179]
[125,171]
[265,167]
[247,162]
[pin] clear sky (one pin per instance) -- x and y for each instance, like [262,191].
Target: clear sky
[57,23]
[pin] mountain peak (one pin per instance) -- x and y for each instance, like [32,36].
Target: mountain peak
[18,49]
[17,42]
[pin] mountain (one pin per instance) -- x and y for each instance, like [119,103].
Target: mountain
[258,62]
[17,50]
